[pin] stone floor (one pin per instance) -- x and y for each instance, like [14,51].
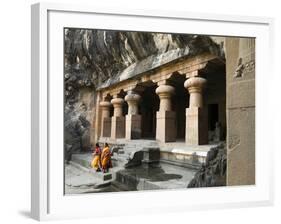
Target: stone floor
[166,176]
[78,181]
[179,146]
[81,178]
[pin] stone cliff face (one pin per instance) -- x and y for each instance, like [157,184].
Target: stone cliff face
[97,58]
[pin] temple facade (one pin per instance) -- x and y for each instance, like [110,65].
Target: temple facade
[186,100]
[171,88]
[179,101]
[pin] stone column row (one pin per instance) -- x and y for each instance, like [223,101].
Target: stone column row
[129,127]
[196,115]
[118,126]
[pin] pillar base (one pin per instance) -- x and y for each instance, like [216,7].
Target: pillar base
[133,126]
[196,132]
[117,127]
[166,130]
[106,132]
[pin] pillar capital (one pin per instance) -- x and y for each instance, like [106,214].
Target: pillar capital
[195,87]
[132,96]
[195,84]
[163,90]
[117,101]
[132,99]
[117,104]
[165,93]
[105,104]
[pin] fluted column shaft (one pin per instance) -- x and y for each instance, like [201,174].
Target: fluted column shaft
[133,119]
[117,120]
[196,132]
[105,118]
[166,118]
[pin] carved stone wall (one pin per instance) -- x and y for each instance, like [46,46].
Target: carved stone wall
[240,78]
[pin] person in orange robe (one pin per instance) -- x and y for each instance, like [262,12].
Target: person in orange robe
[96,162]
[106,158]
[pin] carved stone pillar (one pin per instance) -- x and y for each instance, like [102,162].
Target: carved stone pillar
[106,120]
[196,132]
[117,120]
[166,118]
[133,119]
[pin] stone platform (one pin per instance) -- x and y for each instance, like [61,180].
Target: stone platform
[154,177]
[175,153]
[146,165]
[181,154]
[83,162]
[79,180]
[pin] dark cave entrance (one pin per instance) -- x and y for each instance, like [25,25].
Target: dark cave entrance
[149,105]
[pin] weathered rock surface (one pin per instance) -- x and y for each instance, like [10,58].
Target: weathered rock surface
[213,172]
[97,58]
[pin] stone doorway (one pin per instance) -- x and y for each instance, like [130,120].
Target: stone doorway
[213,116]
[180,102]
[149,105]
[215,98]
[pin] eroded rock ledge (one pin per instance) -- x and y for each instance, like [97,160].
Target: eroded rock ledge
[213,172]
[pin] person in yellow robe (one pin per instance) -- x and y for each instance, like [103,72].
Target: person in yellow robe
[96,162]
[106,158]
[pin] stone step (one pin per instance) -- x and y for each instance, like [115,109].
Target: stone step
[132,148]
[120,159]
[121,156]
[102,177]
[82,159]
[120,151]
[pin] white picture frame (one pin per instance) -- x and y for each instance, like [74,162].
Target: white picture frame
[48,201]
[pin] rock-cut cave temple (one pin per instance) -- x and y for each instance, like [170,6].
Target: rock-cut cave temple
[191,89]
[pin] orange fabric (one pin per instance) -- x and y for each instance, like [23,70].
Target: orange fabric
[96,162]
[106,158]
